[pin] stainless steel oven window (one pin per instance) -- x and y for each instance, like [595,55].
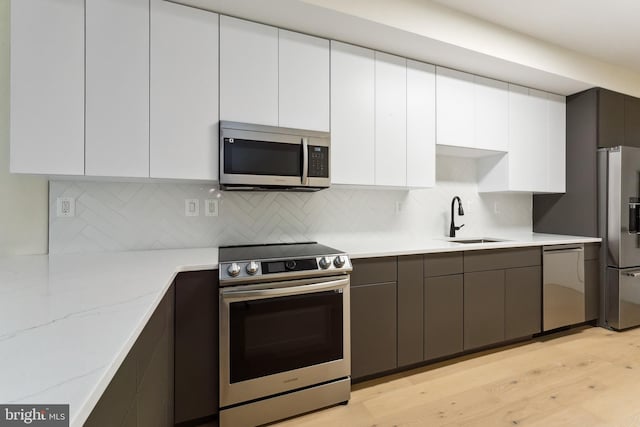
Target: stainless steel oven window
[255,362]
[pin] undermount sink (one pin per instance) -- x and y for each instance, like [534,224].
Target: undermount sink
[483,240]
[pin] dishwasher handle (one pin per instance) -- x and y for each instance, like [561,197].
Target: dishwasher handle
[563,250]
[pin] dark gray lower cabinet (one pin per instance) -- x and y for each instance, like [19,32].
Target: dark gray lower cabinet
[483,308]
[410,310]
[141,391]
[523,302]
[592,280]
[443,314]
[196,345]
[373,329]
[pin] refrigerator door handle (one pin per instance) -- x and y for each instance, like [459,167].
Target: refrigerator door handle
[632,273]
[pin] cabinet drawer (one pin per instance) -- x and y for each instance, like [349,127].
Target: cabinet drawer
[443,264]
[374,270]
[496,259]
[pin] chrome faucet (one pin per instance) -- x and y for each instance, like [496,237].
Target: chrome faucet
[453,228]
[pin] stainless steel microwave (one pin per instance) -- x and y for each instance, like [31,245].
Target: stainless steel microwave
[258,157]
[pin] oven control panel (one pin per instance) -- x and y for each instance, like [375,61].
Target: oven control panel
[242,271]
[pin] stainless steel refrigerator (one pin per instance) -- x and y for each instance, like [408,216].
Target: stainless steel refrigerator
[619,212]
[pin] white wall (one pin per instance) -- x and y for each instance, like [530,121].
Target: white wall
[23,199]
[113,216]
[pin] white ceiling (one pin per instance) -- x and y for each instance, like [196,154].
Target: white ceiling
[604,29]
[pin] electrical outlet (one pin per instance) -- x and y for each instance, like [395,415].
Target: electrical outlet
[191,207]
[211,207]
[398,207]
[496,208]
[65,207]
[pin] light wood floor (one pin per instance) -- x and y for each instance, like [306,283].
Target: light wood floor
[589,377]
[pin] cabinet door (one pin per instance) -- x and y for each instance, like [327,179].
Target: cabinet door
[117,88]
[539,149]
[523,158]
[455,108]
[557,141]
[248,72]
[410,310]
[303,81]
[373,329]
[592,288]
[184,92]
[632,121]
[352,114]
[483,308]
[47,87]
[491,114]
[196,345]
[523,302]
[443,316]
[610,118]
[421,124]
[390,120]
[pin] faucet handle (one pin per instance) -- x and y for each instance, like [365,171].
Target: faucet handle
[458,228]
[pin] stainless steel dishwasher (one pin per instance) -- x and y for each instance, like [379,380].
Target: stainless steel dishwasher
[563,286]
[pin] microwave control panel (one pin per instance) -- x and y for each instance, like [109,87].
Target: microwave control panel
[318,161]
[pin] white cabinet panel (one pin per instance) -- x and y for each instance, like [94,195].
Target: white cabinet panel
[352,114]
[421,124]
[557,143]
[491,114]
[117,88]
[248,72]
[455,107]
[303,81]
[47,87]
[390,120]
[184,92]
[521,142]
[539,149]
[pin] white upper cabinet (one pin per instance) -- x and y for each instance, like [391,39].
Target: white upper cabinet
[352,114]
[536,158]
[248,72]
[390,120]
[473,111]
[382,119]
[47,87]
[184,92]
[421,124]
[303,81]
[557,143]
[491,114]
[117,88]
[455,107]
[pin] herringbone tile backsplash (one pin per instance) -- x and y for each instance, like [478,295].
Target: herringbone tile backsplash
[113,216]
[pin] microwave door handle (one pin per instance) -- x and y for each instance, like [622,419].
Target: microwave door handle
[305,161]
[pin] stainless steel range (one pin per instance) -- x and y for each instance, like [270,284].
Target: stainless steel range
[284,331]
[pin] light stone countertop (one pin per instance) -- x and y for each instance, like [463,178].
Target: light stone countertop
[68,321]
[379,246]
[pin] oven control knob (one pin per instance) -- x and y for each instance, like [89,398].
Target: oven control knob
[290,265]
[325,262]
[339,261]
[233,269]
[252,268]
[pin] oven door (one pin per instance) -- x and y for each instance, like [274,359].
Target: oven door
[282,336]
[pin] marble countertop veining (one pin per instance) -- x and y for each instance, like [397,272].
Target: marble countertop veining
[68,321]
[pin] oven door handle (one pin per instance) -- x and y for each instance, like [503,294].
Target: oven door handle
[294,290]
